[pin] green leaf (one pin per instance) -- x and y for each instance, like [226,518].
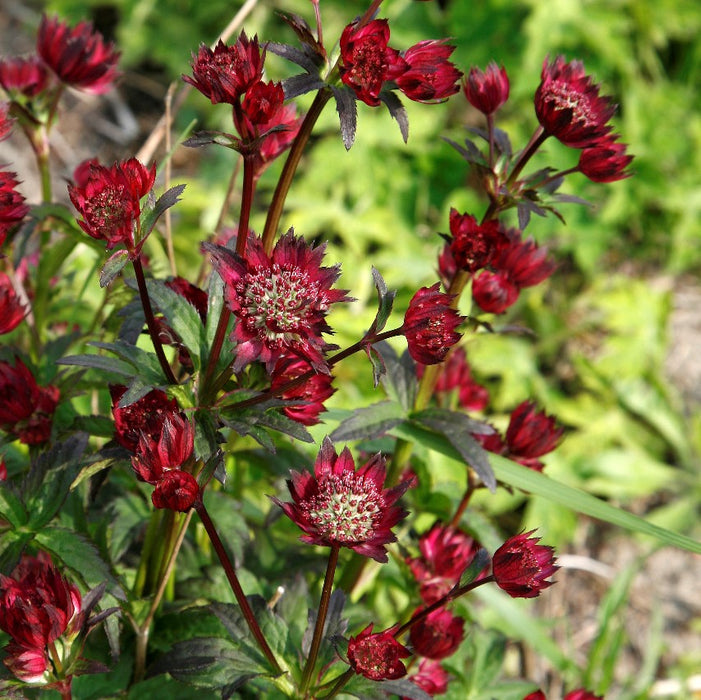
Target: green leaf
[145,364]
[369,422]
[399,379]
[165,201]
[11,506]
[108,365]
[385,300]
[79,555]
[457,428]
[531,481]
[47,484]
[182,317]
[114,265]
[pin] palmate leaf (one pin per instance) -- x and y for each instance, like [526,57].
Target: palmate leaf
[182,317]
[521,477]
[347,114]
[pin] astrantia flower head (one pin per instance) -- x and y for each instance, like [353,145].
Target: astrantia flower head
[144,417]
[25,77]
[431,677]
[280,132]
[445,554]
[26,409]
[225,73]
[488,90]
[174,445]
[311,394]
[341,506]
[6,121]
[521,566]
[525,262]
[280,300]
[367,62]
[474,245]
[605,161]
[11,309]
[430,76]
[177,490]
[78,55]
[438,635]
[12,206]
[377,656]
[494,292]
[429,325]
[531,434]
[568,104]
[109,200]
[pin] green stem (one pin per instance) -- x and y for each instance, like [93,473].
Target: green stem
[339,683]
[320,620]
[236,586]
[532,146]
[288,171]
[151,321]
[471,486]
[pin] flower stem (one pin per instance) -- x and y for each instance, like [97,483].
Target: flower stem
[235,585]
[151,321]
[471,485]
[320,619]
[532,146]
[288,171]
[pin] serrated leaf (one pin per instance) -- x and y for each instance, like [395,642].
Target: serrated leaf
[301,84]
[182,317]
[385,301]
[397,110]
[11,507]
[370,422]
[399,380]
[209,662]
[302,58]
[144,363]
[347,114]
[302,29]
[501,138]
[114,265]
[47,484]
[110,365]
[471,153]
[457,428]
[378,365]
[150,216]
[79,555]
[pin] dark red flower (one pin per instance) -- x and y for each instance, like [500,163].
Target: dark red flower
[144,417]
[110,200]
[341,506]
[280,132]
[12,206]
[28,77]
[311,394]
[493,442]
[3,470]
[582,694]
[474,245]
[536,695]
[367,62]
[447,267]
[445,554]
[429,325]
[26,409]
[430,76]
[568,104]
[431,677]
[78,55]
[281,300]
[377,656]
[521,566]
[531,434]
[177,490]
[488,90]
[494,292]
[261,104]
[37,604]
[28,664]
[438,635]
[170,450]
[225,73]
[11,309]
[605,160]
[525,263]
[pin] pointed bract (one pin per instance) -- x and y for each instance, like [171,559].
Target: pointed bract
[377,656]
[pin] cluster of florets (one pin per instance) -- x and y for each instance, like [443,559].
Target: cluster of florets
[26,409]
[161,440]
[234,75]
[42,613]
[369,66]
